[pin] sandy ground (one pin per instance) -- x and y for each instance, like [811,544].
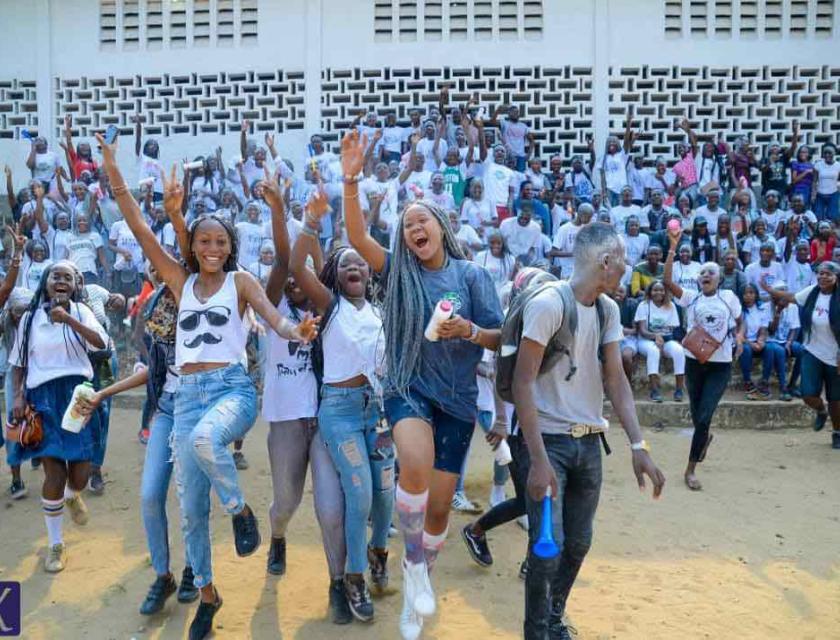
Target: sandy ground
[755,555]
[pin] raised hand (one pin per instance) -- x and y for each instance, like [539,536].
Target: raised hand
[173,192]
[377,135]
[109,151]
[269,140]
[271,191]
[246,125]
[38,191]
[136,118]
[8,171]
[318,204]
[18,239]
[353,153]
[68,121]
[307,329]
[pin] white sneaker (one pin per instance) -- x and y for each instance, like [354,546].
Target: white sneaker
[460,502]
[418,589]
[497,495]
[410,623]
[522,521]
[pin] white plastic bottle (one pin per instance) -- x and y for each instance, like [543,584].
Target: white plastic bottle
[443,311]
[503,455]
[73,421]
[192,166]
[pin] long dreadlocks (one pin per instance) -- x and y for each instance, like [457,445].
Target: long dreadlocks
[407,302]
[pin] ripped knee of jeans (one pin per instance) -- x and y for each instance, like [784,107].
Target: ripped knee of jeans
[201,440]
[352,454]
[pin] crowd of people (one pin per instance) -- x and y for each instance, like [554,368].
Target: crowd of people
[246,287]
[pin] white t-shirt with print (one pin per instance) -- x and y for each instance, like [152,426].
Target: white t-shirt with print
[755,319]
[799,275]
[717,314]
[615,170]
[520,240]
[150,168]
[660,320]
[771,274]
[393,138]
[788,321]
[122,234]
[426,149]
[498,180]
[46,165]
[620,213]
[83,250]
[820,343]
[417,184]
[291,391]
[564,240]
[686,275]
[250,237]
[635,248]
[513,136]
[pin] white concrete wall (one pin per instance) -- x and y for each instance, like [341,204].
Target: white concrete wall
[52,41]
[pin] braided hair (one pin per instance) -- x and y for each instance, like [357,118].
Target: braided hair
[407,301]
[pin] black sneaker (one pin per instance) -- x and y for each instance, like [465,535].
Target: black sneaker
[246,532]
[202,624]
[240,461]
[477,546]
[378,562]
[358,597]
[159,592]
[187,591]
[523,569]
[17,490]
[95,483]
[277,557]
[835,439]
[558,630]
[339,609]
[819,421]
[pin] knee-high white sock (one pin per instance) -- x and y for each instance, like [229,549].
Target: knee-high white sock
[54,517]
[432,544]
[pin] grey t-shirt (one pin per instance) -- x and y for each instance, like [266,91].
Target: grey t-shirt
[561,404]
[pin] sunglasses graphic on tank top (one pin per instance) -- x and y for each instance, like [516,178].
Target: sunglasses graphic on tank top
[211,330]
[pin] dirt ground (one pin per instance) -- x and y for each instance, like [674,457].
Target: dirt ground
[755,555]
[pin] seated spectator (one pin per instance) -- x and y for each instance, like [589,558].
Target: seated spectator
[562,247]
[686,270]
[751,246]
[662,179]
[799,273]
[767,269]
[656,212]
[498,261]
[465,234]
[711,211]
[647,272]
[731,277]
[635,242]
[756,319]
[527,197]
[629,342]
[476,210]
[523,236]
[823,244]
[782,331]
[772,215]
[725,240]
[620,212]
[656,323]
[702,242]
[437,194]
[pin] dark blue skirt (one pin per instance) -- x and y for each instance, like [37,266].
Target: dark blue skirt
[50,400]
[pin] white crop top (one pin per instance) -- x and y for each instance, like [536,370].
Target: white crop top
[353,343]
[210,331]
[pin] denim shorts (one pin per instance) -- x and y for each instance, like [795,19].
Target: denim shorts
[452,436]
[817,375]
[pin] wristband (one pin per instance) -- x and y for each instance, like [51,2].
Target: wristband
[119,189]
[351,179]
[310,231]
[474,331]
[639,446]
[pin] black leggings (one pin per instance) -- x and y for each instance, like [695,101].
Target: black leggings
[511,508]
[706,384]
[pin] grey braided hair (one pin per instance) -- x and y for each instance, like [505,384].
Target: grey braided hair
[406,301]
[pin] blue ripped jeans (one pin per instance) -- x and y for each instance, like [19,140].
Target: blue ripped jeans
[212,409]
[577,463]
[349,420]
[157,470]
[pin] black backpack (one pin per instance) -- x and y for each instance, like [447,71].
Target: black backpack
[562,343]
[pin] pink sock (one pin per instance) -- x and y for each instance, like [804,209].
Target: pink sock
[432,544]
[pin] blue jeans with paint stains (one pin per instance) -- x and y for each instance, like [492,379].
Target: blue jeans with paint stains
[212,409]
[363,453]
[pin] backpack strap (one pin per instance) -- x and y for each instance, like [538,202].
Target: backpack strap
[601,314]
[563,341]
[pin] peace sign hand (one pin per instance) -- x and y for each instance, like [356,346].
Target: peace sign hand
[173,192]
[18,239]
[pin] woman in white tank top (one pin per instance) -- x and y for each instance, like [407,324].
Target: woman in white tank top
[215,403]
[350,417]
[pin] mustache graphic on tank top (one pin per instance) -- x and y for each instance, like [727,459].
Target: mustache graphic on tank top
[190,322]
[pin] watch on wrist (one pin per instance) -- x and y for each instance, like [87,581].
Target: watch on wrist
[640,446]
[473,332]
